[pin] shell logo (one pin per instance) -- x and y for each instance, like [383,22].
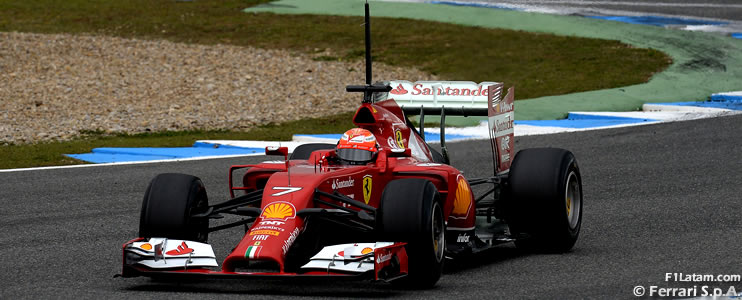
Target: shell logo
[463,198]
[367,250]
[279,210]
[146,246]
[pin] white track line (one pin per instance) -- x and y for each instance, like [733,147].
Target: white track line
[127,163]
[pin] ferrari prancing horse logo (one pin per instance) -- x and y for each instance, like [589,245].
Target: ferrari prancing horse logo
[367,185]
[399,139]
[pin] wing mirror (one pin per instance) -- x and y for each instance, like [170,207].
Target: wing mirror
[273,150]
[406,152]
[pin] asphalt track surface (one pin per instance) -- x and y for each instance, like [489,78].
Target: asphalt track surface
[658,198]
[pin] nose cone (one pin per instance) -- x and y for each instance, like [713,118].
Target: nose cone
[269,239]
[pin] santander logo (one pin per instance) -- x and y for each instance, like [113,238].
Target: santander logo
[399,90]
[504,124]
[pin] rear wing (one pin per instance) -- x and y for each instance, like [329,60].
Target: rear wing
[460,98]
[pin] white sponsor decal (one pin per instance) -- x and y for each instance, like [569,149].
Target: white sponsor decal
[272,223]
[505,157]
[288,242]
[505,106]
[285,190]
[443,88]
[496,98]
[501,124]
[340,184]
[259,237]
[505,143]
[392,144]
[429,165]
[383,258]
[462,238]
[266,227]
[441,93]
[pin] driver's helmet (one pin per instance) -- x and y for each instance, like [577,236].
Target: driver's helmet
[357,146]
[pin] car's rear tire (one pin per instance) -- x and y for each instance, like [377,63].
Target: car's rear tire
[305,150]
[169,203]
[545,200]
[411,212]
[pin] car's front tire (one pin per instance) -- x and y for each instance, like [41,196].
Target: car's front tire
[168,206]
[411,212]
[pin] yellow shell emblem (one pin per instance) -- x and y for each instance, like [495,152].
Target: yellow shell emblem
[279,210]
[463,198]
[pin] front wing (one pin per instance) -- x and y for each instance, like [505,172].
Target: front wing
[170,258]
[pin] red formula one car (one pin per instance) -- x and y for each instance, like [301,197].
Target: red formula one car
[381,204]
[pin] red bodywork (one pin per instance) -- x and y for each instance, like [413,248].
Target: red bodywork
[277,227]
[291,186]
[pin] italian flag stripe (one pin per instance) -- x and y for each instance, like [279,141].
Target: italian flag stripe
[252,251]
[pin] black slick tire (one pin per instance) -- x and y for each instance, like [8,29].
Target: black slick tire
[545,200]
[168,205]
[411,212]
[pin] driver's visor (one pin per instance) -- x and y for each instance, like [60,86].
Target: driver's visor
[356,155]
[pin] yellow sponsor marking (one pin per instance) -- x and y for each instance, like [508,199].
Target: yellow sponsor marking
[266,232]
[463,198]
[278,210]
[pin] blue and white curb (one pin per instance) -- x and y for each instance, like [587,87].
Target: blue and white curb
[731,97]
[203,150]
[683,23]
